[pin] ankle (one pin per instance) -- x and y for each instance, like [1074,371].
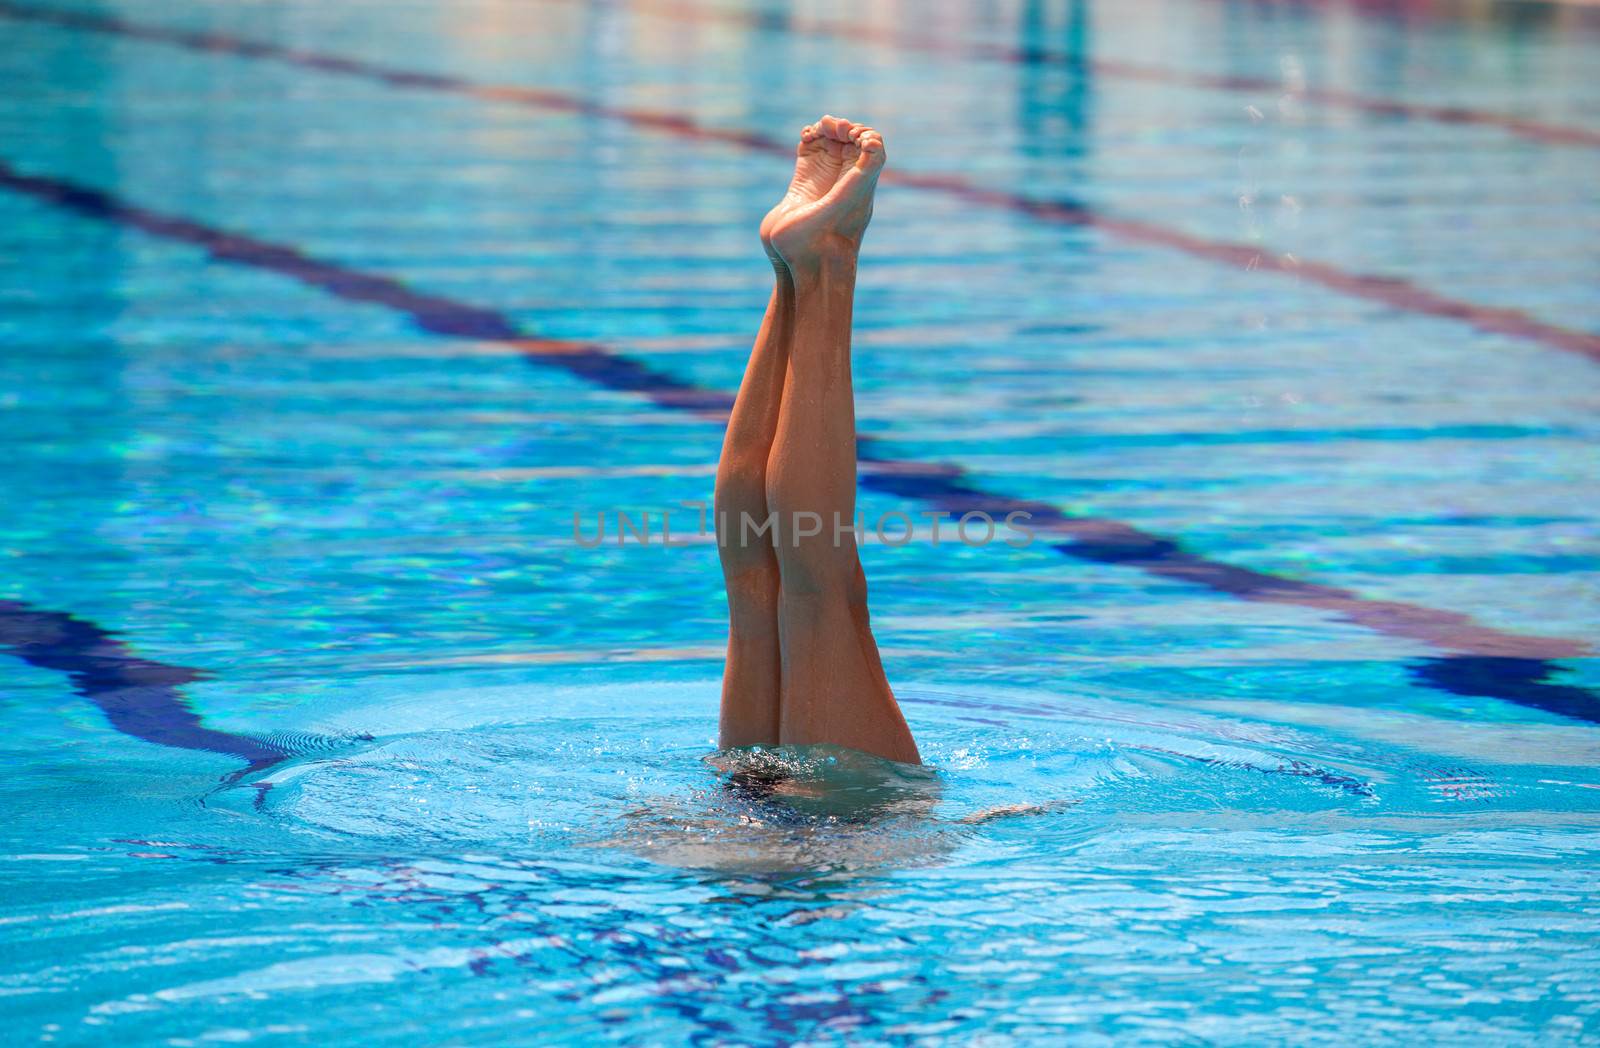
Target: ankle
[831,258]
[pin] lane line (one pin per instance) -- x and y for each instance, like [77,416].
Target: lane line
[1038,55]
[1479,659]
[1391,291]
[138,696]
[1504,14]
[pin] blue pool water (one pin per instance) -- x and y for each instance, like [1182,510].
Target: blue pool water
[319,322]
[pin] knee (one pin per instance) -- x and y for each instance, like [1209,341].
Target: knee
[817,568]
[819,605]
[753,587]
[740,492]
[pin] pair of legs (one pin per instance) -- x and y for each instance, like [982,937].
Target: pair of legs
[803,667]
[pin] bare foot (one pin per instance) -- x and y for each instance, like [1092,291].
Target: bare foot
[829,202]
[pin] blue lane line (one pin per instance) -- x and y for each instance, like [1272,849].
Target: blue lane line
[1477,659]
[138,696]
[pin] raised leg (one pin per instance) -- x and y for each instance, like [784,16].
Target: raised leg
[832,681]
[750,680]
[751,677]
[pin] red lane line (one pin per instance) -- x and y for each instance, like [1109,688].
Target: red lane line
[1333,98]
[1395,292]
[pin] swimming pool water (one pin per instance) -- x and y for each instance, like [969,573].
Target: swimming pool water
[320,726]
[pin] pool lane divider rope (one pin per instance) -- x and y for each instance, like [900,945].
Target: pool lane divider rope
[1115,69]
[1394,292]
[1477,659]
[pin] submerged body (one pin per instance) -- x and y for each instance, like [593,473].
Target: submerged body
[802,666]
[793,809]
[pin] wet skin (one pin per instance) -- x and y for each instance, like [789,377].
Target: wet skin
[803,667]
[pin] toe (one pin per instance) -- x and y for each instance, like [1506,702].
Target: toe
[872,154]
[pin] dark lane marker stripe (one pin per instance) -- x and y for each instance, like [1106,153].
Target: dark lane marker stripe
[139,697]
[1504,665]
[1393,292]
[1522,681]
[977,50]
